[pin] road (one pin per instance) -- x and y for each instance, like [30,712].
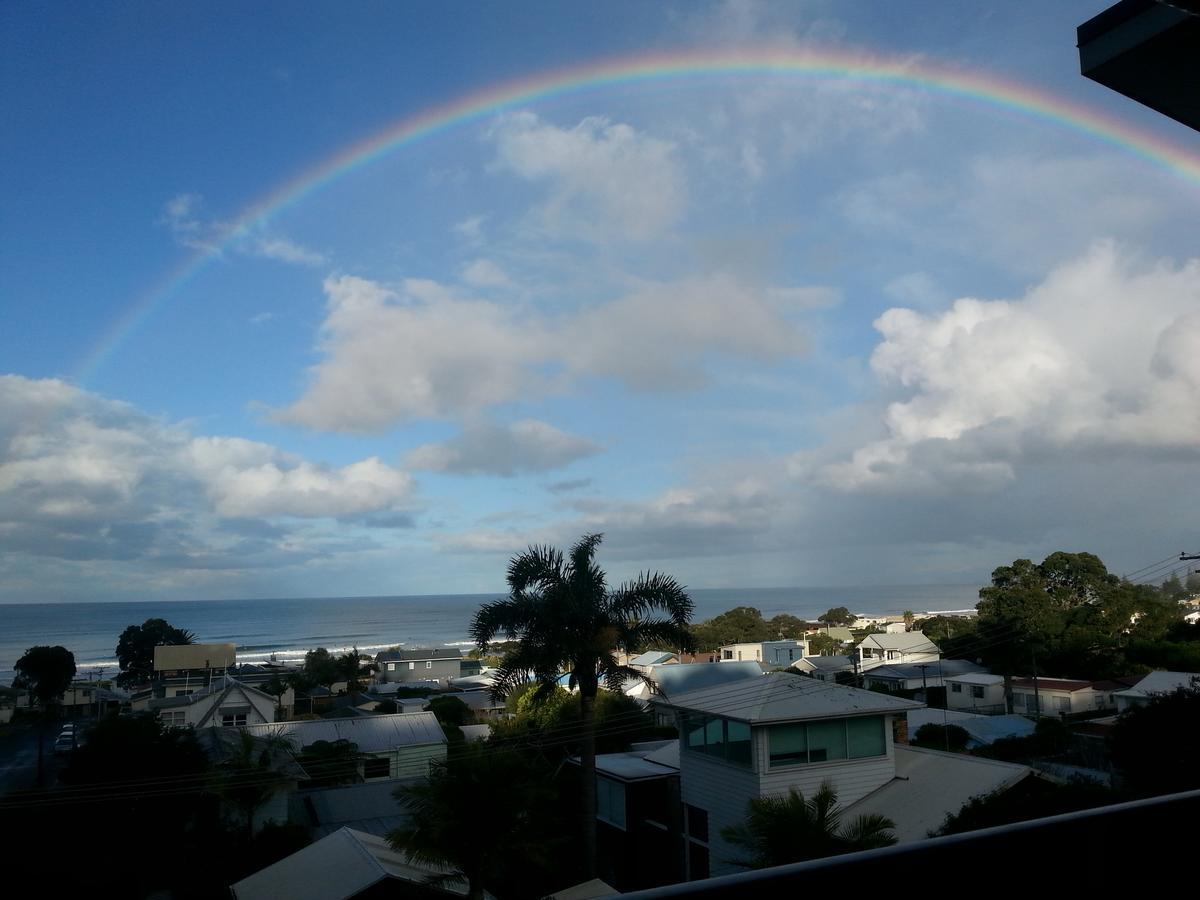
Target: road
[18,758]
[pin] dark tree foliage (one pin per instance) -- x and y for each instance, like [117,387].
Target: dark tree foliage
[788,829]
[566,620]
[451,711]
[837,615]
[1033,798]
[942,737]
[135,648]
[784,627]
[742,624]
[523,836]
[46,672]
[1051,737]
[824,645]
[1154,745]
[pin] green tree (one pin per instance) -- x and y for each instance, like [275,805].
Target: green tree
[565,619]
[522,832]
[46,672]
[785,627]
[328,763]
[824,645]
[788,829]
[742,624]
[837,615]
[942,737]
[277,687]
[1154,745]
[909,618]
[251,774]
[353,668]
[322,668]
[449,710]
[135,648]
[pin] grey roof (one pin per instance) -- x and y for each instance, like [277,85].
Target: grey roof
[369,807]
[372,734]
[977,678]
[652,658]
[419,654]
[631,767]
[221,685]
[981,729]
[477,700]
[826,663]
[929,785]
[943,667]
[913,641]
[336,867]
[681,678]
[784,697]
[1159,683]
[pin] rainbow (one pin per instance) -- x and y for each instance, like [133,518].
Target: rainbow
[980,88]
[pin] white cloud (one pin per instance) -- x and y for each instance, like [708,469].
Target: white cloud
[606,180]
[525,446]
[84,477]
[181,214]
[1100,358]
[421,351]
[284,250]
[485,273]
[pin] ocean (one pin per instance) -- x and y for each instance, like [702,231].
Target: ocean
[287,628]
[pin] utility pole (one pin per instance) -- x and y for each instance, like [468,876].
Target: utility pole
[1037,703]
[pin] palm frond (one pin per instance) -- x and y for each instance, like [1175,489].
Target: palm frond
[868,831]
[537,567]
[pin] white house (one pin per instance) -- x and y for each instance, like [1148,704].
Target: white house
[223,702]
[1152,684]
[761,736]
[1058,696]
[774,653]
[398,745]
[910,647]
[824,668]
[918,675]
[976,691]
[643,662]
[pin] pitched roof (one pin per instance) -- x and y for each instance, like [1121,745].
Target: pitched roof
[372,734]
[930,784]
[419,654]
[784,697]
[1054,684]
[943,667]
[223,686]
[370,807]
[913,641]
[985,678]
[824,663]
[336,867]
[652,658]
[1160,683]
[678,679]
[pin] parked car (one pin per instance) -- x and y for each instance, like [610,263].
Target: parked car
[64,744]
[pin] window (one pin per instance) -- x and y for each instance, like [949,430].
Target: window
[172,718]
[610,801]
[377,768]
[411,666]
[826,741]
[977,691]
[1063,703]
[697,823]
[721,738]
[726,654]
[429,664]
[391,667]
[955,687]
[866,652]
[235,720]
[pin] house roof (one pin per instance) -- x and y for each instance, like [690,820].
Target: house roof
[943,667]
[652,658]
[478,700]
[784,697]
[678,679]
[370,807]
[981,729]
[824,663]
[911,641]
[336,867]
[419,654]
[929,785]
[1159,683]
[837,632]
[223,744]
[222,686]
[372,734]
[985,678]
[1054,684]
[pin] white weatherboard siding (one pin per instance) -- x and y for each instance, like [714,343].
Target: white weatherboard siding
[723,791]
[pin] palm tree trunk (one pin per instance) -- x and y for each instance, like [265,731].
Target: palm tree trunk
[587,774]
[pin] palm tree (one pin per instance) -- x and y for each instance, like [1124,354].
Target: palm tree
[251,772]
[443,830]
[781,830]
[909,618]
[565,619]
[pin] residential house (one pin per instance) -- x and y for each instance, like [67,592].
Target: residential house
[90,697]
[777,654]
[761,736]
[224,746]
[369,806]
[643,662]
[1061,696]
[919,675]
[1140,693]
[669,680]
[223,702]
[396,745]
[700,656]
[345,865]
[481,703]
[839,633]
[180,669]
[826,668]
[259,674]
[910,647]
[895,628]
[434,665]
[976,691]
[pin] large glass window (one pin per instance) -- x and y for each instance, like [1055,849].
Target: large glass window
[610,801]
[717,737]
[826,740]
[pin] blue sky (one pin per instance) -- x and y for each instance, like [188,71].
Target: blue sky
[758,330]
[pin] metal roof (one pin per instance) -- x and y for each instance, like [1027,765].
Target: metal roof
[372,734]
[419,654]
[784,697]
[652,658]
[825,663]
[929,785]
[911,640]
[942,667]
[1160,683]
[976,678]
[681,678]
